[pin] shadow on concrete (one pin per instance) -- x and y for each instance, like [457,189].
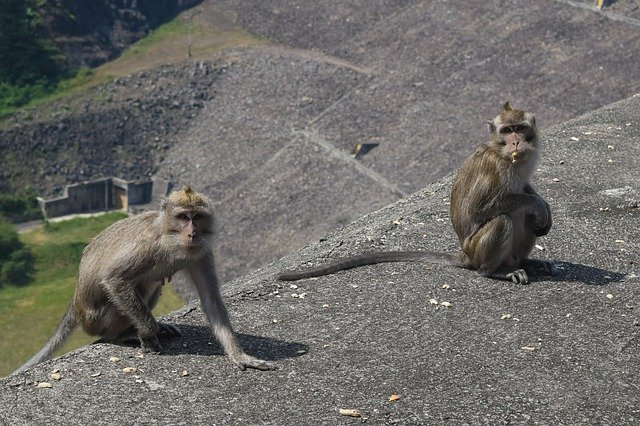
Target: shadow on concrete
[575,272]
[198,340]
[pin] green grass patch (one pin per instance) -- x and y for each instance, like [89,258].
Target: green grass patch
[30,314]
[169,43]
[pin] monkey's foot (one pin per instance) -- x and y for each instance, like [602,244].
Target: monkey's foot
[519,276]
[150,345]
[167,329]
[247,361]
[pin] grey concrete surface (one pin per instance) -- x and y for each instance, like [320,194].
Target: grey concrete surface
[562,350]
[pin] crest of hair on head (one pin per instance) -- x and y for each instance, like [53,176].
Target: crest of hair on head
[187,197]
[511,115]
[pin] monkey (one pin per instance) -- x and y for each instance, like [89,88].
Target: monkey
[123,268]
[495,212]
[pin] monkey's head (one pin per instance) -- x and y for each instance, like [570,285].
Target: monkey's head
[188,222]
[514,133]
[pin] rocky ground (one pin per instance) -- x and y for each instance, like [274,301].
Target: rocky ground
[123,128]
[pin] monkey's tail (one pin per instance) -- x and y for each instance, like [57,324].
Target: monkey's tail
[62,333]
[371,258]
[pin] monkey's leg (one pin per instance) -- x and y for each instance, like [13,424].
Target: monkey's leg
[165,329]
[490,251]
[130,304]
[204,278]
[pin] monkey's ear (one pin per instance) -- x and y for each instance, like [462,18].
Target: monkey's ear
[163,204]
[491,128]
[533,120]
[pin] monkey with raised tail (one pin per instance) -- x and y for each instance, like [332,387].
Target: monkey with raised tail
[495,211]
[121,274]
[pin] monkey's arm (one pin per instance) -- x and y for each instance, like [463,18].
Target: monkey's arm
[203,276]
[544,230]
[507,203]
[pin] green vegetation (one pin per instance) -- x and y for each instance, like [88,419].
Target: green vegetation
[29,314]
[16,260]
[20,207]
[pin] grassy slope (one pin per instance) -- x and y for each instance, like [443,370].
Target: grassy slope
[205,29]
[28,315]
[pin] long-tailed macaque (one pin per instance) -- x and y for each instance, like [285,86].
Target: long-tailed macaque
[495,211]
[122,271]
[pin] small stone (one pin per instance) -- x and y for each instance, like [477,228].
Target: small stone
[129,370]
[56,376]
[114,359]
[350,412]
[45,385]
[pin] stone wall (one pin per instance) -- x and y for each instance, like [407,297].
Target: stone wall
[103,194]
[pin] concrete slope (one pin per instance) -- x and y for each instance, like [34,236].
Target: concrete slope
[563,350]
[440,68]
[276,186]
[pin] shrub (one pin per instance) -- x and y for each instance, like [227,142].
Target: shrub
[9,241]
[20,207]
[18,270]
[16,260]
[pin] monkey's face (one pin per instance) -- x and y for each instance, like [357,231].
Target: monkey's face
[190,229]
[516,140]
[514,134]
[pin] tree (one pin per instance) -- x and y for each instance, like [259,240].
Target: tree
[28,66]
[24,57]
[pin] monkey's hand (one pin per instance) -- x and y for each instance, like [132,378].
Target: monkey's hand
[519,276]
[245,361]
[542,218]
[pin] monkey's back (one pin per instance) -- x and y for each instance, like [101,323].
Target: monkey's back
[473,186]
[117,251]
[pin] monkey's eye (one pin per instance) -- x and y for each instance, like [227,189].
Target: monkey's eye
[506,130]
[182,217]
[197,216]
